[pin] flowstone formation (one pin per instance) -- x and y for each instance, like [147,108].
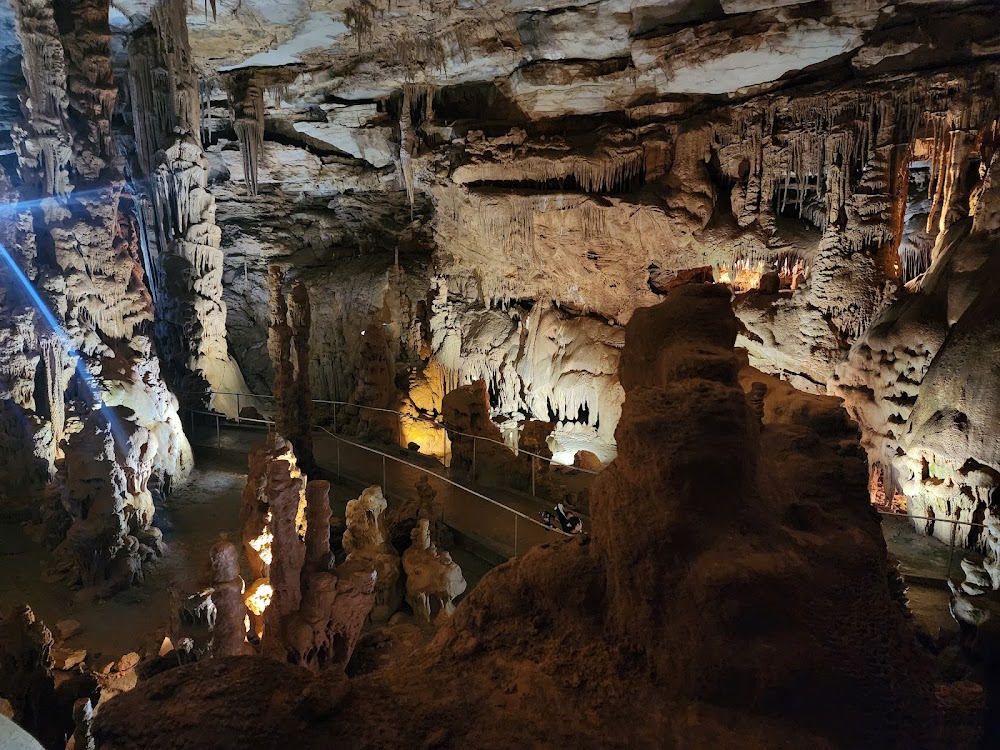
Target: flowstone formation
[767,622]
[96,426]
[921,381]
[306,610]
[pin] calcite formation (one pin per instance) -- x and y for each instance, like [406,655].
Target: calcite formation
[177,212]
[433,579]
[926,409]
[497,189]
[307,610]
[769,616]
[100,427]
[289,332]
[228,631]
[366,540]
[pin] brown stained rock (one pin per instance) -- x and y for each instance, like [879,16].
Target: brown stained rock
[366,540]
[66,629]
[734,593]
[228,630]
[401,520]
[318,514]
[305,611]
[375,388]
[67,658]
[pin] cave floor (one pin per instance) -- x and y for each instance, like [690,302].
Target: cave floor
[133,620]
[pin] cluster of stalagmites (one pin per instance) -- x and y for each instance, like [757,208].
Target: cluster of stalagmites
[94,433]
[304,608]
[307,603]
[735,591]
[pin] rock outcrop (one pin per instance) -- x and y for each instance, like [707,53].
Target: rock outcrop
[307,610]
[734,591]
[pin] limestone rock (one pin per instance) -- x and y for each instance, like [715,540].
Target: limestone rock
[433,579]
[366,540]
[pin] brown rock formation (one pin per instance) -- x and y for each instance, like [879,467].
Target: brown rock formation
[289,330]
[433,579]
[734,592]
[366,539]
[228,632]
[307,611]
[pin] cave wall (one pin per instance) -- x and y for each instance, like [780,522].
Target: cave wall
[496,189]
[501,189]
[82,378]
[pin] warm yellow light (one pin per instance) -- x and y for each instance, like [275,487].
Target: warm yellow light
[258,598]
[262,544]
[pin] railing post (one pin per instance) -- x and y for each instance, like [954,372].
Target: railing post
[335,422]
[444,447]
[237,408]
[384,489]
[474,441]
[218,433]
[951,548]
[338,459]
[533,474]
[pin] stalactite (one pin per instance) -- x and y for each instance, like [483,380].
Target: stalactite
[247,98]
[407,146]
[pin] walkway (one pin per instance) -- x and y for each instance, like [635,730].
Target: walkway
[497,523]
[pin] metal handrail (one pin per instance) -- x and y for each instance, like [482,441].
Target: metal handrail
[929,518]
[415,418]
[423,469]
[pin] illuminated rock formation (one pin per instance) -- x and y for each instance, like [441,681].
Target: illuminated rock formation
[366,540]
[176,211]
[228,631]
[433,579]
[307,611]
[927,413]
[725,592]
[103,422]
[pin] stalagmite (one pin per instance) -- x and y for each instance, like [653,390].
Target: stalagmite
[433,580]
[306,611]
[366,540]
[229,633]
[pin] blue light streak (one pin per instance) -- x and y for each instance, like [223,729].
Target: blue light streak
[43,309]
